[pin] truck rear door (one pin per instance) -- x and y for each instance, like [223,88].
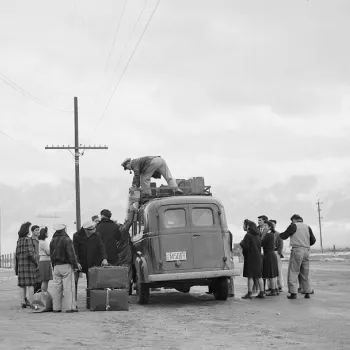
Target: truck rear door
[175,238]
[208,245]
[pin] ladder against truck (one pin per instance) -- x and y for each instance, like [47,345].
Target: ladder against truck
[181,240]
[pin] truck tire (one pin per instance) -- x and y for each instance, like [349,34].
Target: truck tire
[142,291]
[221,288]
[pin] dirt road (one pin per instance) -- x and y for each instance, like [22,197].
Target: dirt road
[174,320]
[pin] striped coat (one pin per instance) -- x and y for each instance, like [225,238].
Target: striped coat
[27,265]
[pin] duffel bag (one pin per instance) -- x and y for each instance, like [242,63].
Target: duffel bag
[42,301]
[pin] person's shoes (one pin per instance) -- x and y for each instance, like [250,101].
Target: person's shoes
[261,295]
[27,302]
[71,311]
[272,294]
[248,296]
[56,311]
[292,296]
[280,289]
[277,291]
[23,305]
[268,290]
[307,296]
[312,292]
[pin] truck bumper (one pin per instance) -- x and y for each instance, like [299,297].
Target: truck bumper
[191,275]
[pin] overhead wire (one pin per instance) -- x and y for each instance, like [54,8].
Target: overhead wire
[19,142]
[124,50]
[25,93]
[124,71]
[115,35]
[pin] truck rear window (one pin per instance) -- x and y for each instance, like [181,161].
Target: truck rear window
[174,218]
[202,217]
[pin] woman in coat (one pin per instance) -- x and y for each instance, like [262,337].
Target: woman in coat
[45,261]
[270,265]
[252,268]
[26,265]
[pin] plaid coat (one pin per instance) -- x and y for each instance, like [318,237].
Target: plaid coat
[27,265]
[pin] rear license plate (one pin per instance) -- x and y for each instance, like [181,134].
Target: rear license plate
[173,256]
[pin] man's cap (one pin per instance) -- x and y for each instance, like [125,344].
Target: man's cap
[95,217]
[59,227]
[296,217]
[125,162]
[89,224]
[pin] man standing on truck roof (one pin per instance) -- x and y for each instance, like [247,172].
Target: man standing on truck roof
[146,167]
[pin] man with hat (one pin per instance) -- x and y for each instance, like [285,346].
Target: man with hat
[301,238]
[64,263]
[110,235]
[89,249]
[146,167]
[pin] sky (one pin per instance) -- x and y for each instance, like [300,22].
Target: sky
[252,95]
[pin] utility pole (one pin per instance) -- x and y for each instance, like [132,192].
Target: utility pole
[0,236]
[77,155]
[319,221]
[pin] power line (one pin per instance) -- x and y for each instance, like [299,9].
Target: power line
[115,35]
[125,68]
[19,142]
[124,50]
[25,93]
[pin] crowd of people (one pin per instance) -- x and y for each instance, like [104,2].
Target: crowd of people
[100,241]
[262,248]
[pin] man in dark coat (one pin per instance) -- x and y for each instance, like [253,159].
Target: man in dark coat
[110,235]
[89,249]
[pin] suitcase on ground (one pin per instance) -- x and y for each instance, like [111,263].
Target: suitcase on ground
[108,277]
[109,300]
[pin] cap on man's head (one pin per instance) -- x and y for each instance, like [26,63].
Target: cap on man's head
[296,217]
[125,162]
[59,227]
[89,225]
[107,213]
[94,218]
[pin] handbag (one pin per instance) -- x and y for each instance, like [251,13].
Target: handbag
[42,301]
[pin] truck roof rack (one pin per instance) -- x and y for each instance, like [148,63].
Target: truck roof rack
[165,191]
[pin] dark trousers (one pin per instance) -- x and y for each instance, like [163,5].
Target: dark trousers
[76,277]
[37,286]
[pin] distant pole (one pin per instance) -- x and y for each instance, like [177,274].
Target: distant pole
[0,236]
[319,221]
[77,174]
[77,155]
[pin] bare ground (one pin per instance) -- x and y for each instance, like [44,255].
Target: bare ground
[174,320]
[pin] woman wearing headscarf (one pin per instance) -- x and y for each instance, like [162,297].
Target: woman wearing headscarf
[26,265]
[45,261]
[252,268]
[270,265]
